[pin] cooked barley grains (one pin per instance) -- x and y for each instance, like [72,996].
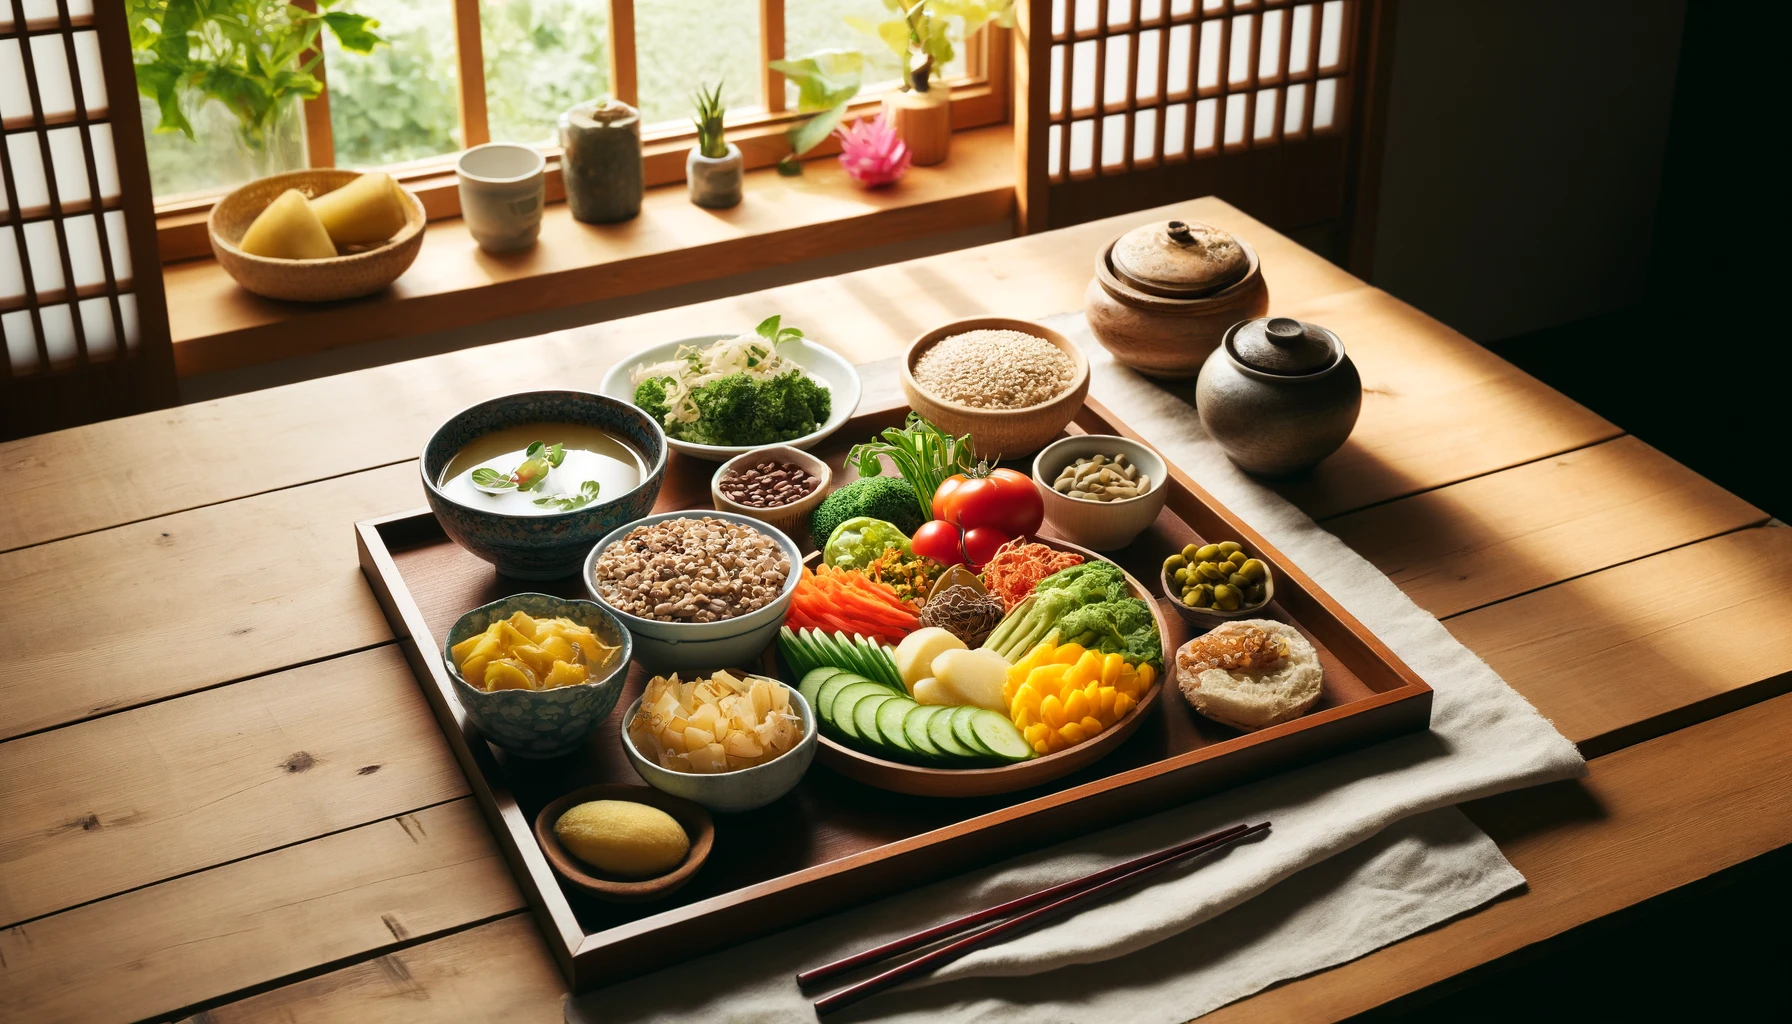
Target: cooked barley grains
[993,369]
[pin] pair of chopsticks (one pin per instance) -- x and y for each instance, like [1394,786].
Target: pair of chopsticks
[1057,900]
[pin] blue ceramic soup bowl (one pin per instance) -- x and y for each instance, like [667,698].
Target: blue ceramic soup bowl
[542,723]
[546,547]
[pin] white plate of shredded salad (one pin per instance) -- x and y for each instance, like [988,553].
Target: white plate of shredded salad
[687,366]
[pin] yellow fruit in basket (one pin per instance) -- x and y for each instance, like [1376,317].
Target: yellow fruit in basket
[288,230]
[366,210]
[624,838]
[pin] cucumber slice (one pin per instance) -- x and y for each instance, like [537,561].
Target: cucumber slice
[961,728]
[844,699]
[824,697]
[890,716]
[939,727]
[1001,736]
[914,729]
[864,717]
[810,687]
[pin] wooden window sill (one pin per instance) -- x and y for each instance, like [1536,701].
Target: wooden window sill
[217,325]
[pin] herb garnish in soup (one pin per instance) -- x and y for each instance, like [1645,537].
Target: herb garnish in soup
[539,469]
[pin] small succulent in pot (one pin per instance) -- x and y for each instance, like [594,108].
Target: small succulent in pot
[713,169]
[871,151]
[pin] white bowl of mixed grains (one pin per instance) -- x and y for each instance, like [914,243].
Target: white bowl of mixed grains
[1010,384]
[695,589]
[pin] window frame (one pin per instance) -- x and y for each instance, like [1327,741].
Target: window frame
[979,98]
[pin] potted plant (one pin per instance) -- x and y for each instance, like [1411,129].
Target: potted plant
[244,55]
[923,37]
[713,169]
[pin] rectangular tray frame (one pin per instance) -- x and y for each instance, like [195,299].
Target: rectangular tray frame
[679,933]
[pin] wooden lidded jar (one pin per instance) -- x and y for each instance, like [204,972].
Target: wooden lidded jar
[1164,294]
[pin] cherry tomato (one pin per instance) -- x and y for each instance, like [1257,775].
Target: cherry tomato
[981,543]
[1003,498]
[940,541]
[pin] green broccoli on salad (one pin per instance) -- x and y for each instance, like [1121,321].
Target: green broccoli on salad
[737,391]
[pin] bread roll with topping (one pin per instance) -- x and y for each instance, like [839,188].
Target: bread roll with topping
[1250,673]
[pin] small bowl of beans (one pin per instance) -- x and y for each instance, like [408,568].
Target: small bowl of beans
[695,589]
[1100,490]
[779,485]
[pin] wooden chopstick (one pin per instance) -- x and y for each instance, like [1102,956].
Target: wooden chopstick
[968,921]
[952,951]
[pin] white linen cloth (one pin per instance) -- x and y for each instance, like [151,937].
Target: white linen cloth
[1365,848]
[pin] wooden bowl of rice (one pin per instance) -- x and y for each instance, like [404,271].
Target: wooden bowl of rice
[1010,384]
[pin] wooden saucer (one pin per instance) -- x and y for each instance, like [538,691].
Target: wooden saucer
[698,826]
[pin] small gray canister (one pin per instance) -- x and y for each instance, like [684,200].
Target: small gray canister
[601,161]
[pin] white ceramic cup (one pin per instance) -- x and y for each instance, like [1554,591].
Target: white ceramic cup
[501,193]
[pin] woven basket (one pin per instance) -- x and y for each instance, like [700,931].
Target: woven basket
[340,277]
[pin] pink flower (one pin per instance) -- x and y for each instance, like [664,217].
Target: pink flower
[871,152]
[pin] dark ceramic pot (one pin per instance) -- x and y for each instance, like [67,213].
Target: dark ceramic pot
[1278,395]
[546,547]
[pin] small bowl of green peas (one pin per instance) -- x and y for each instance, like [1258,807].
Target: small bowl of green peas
[1209,583]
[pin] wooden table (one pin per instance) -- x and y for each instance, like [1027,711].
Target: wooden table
[221,791]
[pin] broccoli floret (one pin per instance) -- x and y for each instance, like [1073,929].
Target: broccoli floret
[889,498]
[739,410]
[650,398]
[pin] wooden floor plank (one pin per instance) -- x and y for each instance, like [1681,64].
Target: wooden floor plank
[180,458]
[1649,641]
[1487,539]
[1640,825]
[228,929]
[137,797]
[113,619]
[1587,848]
[497,972]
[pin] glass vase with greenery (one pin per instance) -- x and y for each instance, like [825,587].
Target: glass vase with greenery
[246,55]
[922,36]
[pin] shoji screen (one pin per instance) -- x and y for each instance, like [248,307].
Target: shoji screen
[1132,103]
[86,330]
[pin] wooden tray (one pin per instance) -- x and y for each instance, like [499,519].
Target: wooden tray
[834,843]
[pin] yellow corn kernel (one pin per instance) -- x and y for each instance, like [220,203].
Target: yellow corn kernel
[1024,716]
[1076,706]
[1122,704]
[1048,678]
[1036,732]
[1026,696]
[1146,674]
[1051,711]
[1039,655]
[1107,703]
[1111,667]
[1072,733]
[1067,654]
[1092,726]
[1092,693]
[1087,667]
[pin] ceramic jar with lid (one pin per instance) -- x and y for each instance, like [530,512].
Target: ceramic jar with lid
[1278,395]
[1164,294]
[601,162]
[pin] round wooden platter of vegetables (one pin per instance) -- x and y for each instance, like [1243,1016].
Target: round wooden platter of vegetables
[886,724]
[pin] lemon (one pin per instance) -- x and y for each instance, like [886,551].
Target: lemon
[622,837]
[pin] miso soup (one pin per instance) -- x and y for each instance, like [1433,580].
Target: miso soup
[571,467]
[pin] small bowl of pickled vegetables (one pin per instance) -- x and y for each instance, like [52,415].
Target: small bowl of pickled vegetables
[731,741]
[1210,583]
[536,673]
